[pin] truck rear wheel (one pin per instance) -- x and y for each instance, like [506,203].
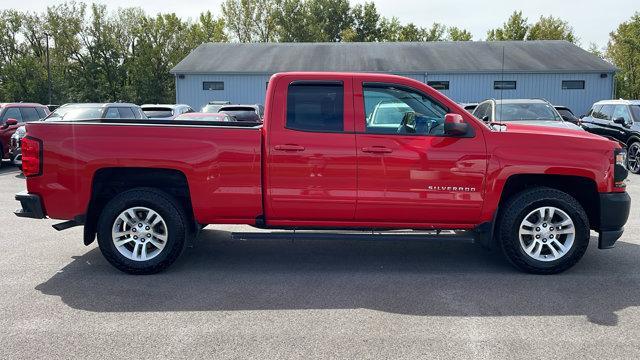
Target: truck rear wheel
[142,231]
[543,231]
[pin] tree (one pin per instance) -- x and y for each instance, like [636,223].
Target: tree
[457,34]
[250,20]
[515,28]
[624,50]
[434,33]
[366,24]
[390,29]
[328,19]
[292,19]
[551,28]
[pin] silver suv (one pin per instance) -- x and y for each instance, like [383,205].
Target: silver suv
[523,111]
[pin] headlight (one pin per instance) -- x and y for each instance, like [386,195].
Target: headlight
[620,168]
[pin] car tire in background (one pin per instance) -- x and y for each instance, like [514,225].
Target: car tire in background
[633,157]
[142,231]
[543,231]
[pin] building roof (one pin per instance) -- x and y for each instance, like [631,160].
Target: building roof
[401,57]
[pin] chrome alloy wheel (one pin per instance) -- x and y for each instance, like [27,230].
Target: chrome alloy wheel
[633,158]
[547,234]
[139,233]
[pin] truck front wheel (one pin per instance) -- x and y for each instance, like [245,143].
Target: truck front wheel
[543,231]
[142,231]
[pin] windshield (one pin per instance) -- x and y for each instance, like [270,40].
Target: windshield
[72,112]
[635,110]
[211,108]
[158,112]
[526,111]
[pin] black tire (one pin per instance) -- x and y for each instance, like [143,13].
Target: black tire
[634,148]
[162,203]
[515,211]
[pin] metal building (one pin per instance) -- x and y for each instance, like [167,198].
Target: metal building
[558,71]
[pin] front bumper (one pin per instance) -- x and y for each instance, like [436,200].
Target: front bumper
[31,206]
[614,212]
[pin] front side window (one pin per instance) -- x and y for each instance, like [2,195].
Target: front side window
[112,113]
[635,110]
[391,109]
[12,113]
[621,111]
[29,114]
[605,112]
[483,111]
[316,107]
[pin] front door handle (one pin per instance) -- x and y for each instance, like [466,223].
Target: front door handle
[377,150]
[289,147]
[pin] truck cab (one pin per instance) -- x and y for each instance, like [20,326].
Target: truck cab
[336,151]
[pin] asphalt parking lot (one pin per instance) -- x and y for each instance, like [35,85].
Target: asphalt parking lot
[305,299]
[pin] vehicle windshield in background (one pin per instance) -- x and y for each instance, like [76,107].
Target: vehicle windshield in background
[635,109]
[158,112]
[527,111]
[242,114]
[205,117]
[76,113]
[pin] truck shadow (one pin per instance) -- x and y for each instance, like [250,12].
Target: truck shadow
[433,278]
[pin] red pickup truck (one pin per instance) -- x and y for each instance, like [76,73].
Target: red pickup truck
[341,151]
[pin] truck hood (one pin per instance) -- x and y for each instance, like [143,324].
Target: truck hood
[550,123]
[537,130]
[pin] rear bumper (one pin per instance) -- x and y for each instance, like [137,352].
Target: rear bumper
[614,213]
[31,206]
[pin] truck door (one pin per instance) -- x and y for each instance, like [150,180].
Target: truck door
[310,145]
[408,171]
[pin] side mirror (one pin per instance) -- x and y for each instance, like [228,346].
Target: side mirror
[485,118]
[10,122]
[454,125]
[620,120]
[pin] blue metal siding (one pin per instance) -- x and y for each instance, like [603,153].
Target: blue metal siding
[251,89]
[477,87]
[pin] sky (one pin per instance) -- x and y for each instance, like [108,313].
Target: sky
[591,20]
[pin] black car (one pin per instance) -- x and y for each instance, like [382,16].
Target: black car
[567,114]
[618,120]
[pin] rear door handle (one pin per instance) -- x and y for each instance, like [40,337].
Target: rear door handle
[289,147]
[377,150]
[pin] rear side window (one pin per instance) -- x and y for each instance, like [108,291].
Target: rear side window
[12,113]
[29,114]
[316,107]
[126,113]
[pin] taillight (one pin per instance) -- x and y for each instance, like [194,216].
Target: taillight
[31,156]
[620,171]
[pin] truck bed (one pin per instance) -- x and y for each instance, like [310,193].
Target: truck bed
[221,162]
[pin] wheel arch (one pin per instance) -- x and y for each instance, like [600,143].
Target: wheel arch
[108,182]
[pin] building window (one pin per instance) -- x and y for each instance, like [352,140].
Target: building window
[573,85]
[316,107]
[212,85]
[504,85]
[439,85]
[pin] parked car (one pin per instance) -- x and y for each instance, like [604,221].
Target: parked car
[12,115]
[619,120]
[82,111]
[524,111]
[316,164]
[15,151]
[214,106]
[567,114]
[165,111]
[206,117]
[244,113]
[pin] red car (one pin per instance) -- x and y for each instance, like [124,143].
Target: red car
[12,115]
[336,151]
